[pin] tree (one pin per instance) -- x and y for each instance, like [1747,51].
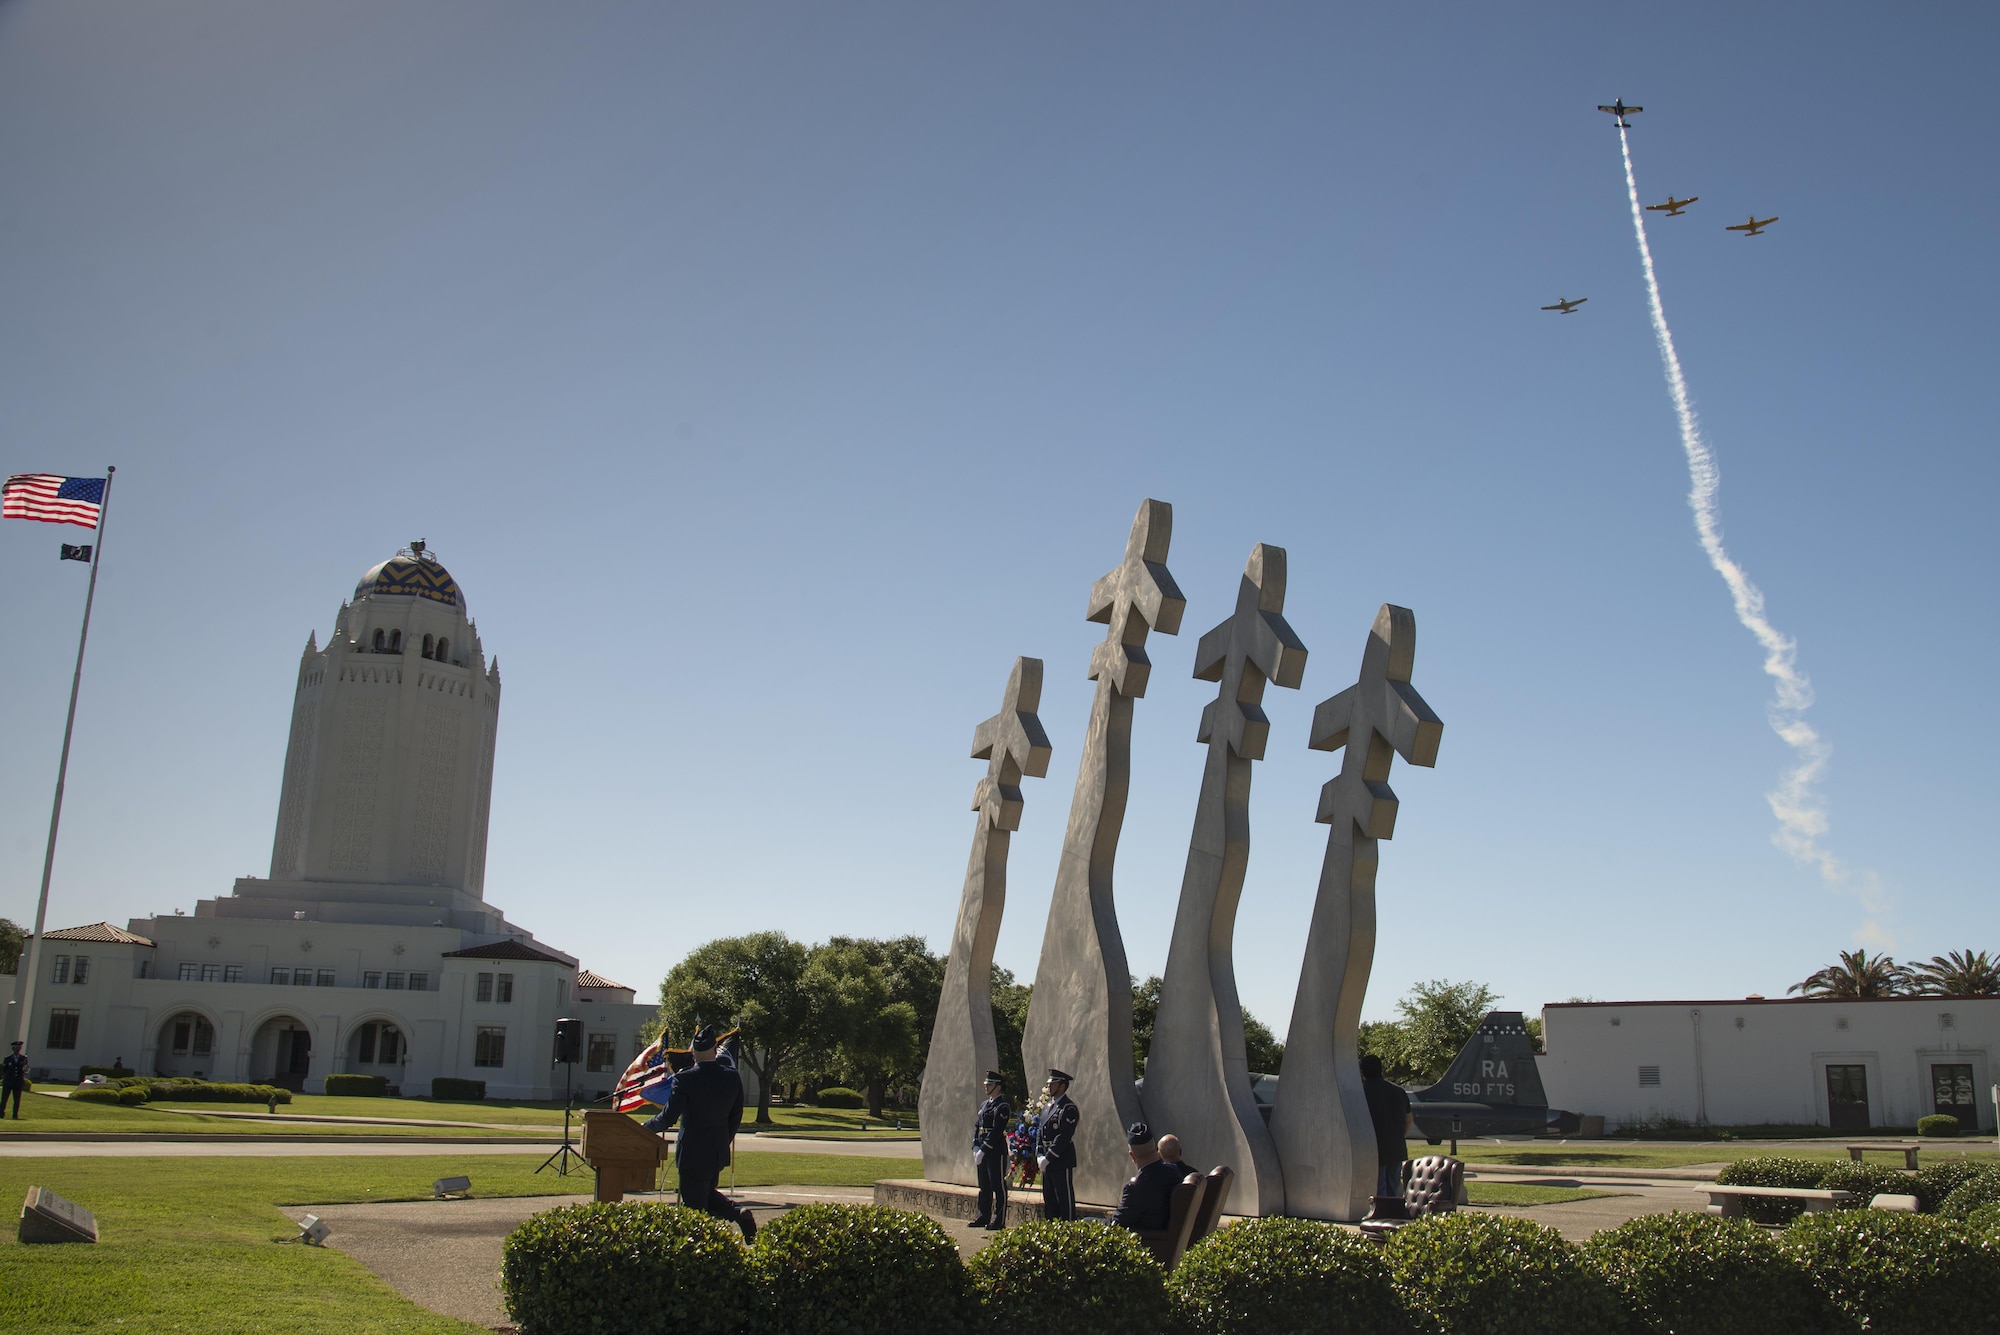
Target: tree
[13,939]
[1265,1053]
[1010,1018]
[1438,1019]
[859,1025]
[754,982]
[1963,973]
[1858,975]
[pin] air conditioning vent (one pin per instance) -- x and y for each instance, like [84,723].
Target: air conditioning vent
[1649,1077]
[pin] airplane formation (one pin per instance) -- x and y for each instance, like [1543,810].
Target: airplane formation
[1673,208]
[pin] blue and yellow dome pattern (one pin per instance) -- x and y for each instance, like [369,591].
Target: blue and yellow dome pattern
[408,576]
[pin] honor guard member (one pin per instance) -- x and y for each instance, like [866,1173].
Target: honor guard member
[1147,1201]
[13,1079]
[1056,1148]
[707,1100]
[990,1153]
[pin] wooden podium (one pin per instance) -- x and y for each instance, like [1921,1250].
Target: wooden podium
[625,1155]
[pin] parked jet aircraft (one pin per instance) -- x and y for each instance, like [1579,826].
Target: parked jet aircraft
[1673,208]
[1493,1089]
[1566,307]
[1755,227]
[1621,111]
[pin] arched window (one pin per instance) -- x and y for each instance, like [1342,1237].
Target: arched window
[444,650]
[396,642]
[378,640]
[428,642]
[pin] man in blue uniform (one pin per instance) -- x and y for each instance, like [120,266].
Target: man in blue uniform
[1055,1148]
[1147,1201]
[13,1079]
[707,1101]
[990,1153]
[1389,1110]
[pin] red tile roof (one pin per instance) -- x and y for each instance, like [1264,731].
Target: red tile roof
[101,932]
[504,950]
[585,978]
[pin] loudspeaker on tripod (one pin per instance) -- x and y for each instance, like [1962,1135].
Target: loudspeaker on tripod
[569,1042]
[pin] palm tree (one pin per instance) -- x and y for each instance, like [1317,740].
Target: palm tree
[1858,975]
[1963,973]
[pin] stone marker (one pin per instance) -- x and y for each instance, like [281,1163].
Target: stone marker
[1320,1121]
[1080,1017]
[47,1217]
[1197,1079]
[963,1048]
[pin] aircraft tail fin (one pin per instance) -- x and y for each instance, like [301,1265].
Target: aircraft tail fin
[1497,1065]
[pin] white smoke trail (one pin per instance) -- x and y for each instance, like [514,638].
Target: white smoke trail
[1796,802]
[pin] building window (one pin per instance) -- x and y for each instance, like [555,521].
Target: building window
[204,1037]
[372,978]
[232,973]
[211,973]
[82,968]
[302,978]
[490,1047]
[1649,1076]
[485,988]
[380,1043]
[380,641]
[428,643]
[396,642]
[190,973]
[62,1028]
[419,982]
[602,1053]
[277,976]
[61,975]
[444,650]
[145,968]
[395,982]
[503,987]
[326,978]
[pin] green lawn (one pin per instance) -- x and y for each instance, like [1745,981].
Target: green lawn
[199,1246]
[1513,1193]
[54,1114]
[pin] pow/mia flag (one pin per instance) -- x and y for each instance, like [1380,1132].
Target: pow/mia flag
[74,553]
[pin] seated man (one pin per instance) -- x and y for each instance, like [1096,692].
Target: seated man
[1170,1155]
[1147,1200]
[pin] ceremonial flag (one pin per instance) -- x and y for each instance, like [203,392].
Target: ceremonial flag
[53,499]
[82,553]
[647,1080]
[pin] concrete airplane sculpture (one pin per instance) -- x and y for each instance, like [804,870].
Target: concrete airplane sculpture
[1493,1089]
[1673,208]
[1621,111]
[1565,307]
[1755,227]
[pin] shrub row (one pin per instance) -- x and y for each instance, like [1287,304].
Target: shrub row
[1937,1124]
[161,1089]
[358,1086]
[839,1096]
[1934,1186]
[462,1091]
[845,1270]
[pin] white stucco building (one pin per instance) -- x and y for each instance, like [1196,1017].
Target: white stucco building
[1840,1063]
[370,948]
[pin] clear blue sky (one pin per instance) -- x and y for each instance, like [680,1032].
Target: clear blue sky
[770,376]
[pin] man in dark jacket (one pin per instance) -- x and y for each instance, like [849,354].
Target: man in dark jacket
[13,1079]
[707,1101]
[1389,1110]
[1146,1204]
[1055,1148]
[990,1153]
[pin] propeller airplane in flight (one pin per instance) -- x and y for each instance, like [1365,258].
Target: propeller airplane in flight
[1621,111]
[1755,227]
[1564,307]
[1673,208]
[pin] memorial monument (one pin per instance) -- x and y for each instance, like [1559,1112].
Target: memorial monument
[1320,1120]
[963,1048]
[1080,1017]
[1197,1078]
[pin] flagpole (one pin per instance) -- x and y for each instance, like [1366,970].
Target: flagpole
[34,957]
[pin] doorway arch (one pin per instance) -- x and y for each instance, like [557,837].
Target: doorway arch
[281,1053]
[185,1045]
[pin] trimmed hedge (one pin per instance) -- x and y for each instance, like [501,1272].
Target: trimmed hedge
[1981,1188]
[1700,1272]
[840,1096]
[1470,1274]
[358,1086]
[1867,1181]
[1937,1180]
[99,1094]
[1937,1124]
[453,1088]
[173,1089]
[1986,1222]
[599,1268]
[1772,1171]
[857,1270]
[1899,1274]
[1266,1276]
[1055,1275]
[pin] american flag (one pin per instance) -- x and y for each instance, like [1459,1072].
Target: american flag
[53,499]
[646,1080]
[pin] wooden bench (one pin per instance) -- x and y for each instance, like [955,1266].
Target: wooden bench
[1907,1150]
[1728,1201]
